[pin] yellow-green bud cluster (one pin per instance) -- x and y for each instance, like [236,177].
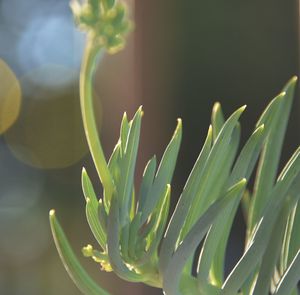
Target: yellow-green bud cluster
[101,258]
[105,20]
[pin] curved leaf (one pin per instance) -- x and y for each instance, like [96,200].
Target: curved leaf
[78,274]
[217,119]
[212,178]
[164,172]
[127,167]
[269,162]
[92,210]
[183,205]
[212,255]
[259,242]
[174,269]
[291,277]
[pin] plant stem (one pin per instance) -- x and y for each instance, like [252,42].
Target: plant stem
[89,122]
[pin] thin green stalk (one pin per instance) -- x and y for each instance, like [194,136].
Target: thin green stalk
[88,116]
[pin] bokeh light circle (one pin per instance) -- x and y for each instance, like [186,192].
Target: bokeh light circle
[49,132]
[10,97]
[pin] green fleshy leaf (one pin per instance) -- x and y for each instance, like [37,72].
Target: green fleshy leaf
[92,210]
[268,166]
[270,112]
[291,240]
[267,119]
[94,223]
[146,228]
[114,163]
[188,246]
[124,241]
[218,190]
[102,215]
[290,278]
[115,171]
[133,205]
[161,211]
[246,161]
[257,245]
[125,127]
[128,167]
[147,182]
[133,232]
[160,217]
[188,285]
[269,261]
[295,237]
[212,180]
[217,120]
[113,246]
[222,175]
[287,239]
[205,288]
[87,187]
[164,173]
[245,204]
[213,251]
[183,205]
[78,274]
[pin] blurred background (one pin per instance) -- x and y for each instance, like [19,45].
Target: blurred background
[182,57]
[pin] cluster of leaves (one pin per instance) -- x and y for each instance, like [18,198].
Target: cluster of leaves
[130,233]
[130,225]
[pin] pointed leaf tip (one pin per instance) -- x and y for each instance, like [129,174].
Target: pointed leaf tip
[242,108]
[178,127]
[260,129]
[83,171]
[140,109]
[216,106]
[293,80]
[179,124]
[52,213]
[243,181]
[168,189]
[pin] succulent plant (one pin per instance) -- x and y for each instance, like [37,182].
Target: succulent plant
[138,242]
